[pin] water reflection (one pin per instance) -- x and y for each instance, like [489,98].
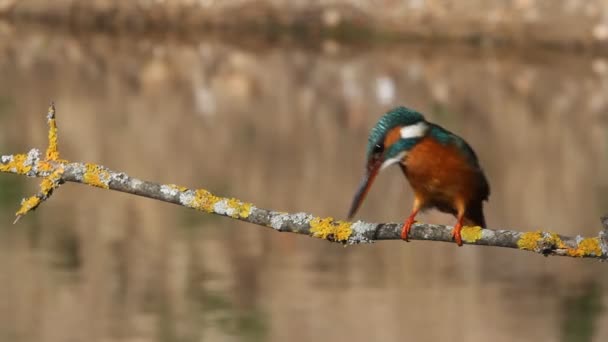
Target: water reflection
[285,126]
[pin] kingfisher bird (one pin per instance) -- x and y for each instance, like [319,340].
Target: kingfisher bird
[442,169]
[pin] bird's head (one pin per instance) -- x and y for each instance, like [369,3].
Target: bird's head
[389,141]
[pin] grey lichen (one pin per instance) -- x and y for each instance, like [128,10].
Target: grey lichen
[119,177]
[604,241]
[223,208]
[187,198]
[359,232]
[6,159]
[282,221]
[487,234]
[51,113]
[301,218]
[33,157]
[136,183]
[169,190]
[278,219]
[78,170]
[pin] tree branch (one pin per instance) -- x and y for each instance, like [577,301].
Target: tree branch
[56,171]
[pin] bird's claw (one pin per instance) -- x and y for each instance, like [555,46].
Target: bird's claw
[456,236]
[406,229]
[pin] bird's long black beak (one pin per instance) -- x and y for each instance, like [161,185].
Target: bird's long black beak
[366,183]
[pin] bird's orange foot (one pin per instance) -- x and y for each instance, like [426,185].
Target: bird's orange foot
[456,234]
[406,228]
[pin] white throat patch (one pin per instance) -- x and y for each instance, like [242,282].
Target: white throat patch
[414,131]
[392,161]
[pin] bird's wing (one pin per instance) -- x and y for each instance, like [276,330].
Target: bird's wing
[446,137]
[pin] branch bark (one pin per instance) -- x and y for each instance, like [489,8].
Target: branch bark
[55,171]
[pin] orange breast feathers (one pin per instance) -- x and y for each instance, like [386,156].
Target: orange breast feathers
[440,173]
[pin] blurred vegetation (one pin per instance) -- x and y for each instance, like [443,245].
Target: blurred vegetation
[581,313]
[478,22]
[66,247]
[247,324]
[7,104]
[12,189]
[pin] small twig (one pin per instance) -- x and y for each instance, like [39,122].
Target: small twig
[56,171]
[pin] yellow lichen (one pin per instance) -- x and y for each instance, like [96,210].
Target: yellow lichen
[533,240]
[240,209]
[204,200]
[47,185]
[587,247]
[96,175]
[45,166]
[326,228]
[17,165]
[28,204]
[555,240]
[471,234]
[529,240]
[52,152]
[51,182]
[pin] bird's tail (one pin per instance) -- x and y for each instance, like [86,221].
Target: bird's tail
[474,215]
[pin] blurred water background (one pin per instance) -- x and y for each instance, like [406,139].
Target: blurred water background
[283,122]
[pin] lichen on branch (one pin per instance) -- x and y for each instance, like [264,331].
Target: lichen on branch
[55,171]
[31,165]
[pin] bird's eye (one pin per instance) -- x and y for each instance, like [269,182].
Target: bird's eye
[378,148]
